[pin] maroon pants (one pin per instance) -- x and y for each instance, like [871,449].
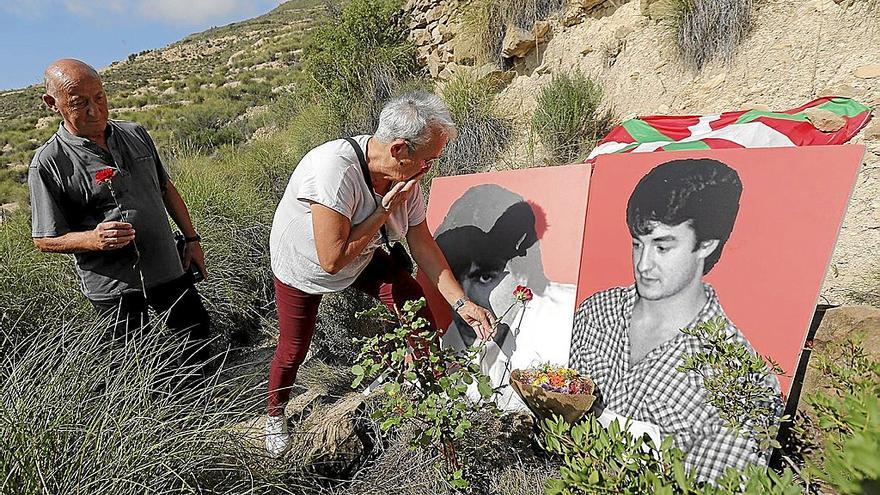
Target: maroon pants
[298,311]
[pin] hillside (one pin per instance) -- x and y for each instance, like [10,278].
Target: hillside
[791,53]
[192,93]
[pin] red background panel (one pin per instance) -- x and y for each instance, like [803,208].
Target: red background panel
[771,270]
[560,192]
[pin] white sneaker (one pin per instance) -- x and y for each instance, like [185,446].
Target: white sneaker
[277,438]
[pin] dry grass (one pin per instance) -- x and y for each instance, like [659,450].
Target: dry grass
[708,29]
[569,117]
[483,131]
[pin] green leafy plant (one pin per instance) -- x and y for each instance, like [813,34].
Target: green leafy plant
[739,384]
[610,460]
[428,391]
[355,63]
[568,119]
[848,417]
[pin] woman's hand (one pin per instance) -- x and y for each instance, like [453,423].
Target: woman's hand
[399,193]
[479,318]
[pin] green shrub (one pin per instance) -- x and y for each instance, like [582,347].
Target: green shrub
[12,187]
[210,124]
[848,418]
[610,460]
[738,383]
[568,119]
[354,64]
[707,29]
[428,391]
[482,132]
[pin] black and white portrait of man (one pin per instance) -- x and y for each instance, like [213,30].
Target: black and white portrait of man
[629,340]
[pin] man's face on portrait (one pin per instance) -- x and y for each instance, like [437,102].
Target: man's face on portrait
[490,284]
[668,260]
[492,245]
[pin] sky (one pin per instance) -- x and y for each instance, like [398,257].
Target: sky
[33,33]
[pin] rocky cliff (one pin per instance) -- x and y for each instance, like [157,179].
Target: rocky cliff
[794,52]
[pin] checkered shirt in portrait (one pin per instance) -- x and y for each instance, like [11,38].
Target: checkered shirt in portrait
[653,390]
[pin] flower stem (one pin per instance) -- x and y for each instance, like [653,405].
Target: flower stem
[137,252]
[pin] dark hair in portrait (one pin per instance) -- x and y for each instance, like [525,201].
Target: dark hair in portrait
[485,228]
[703,192]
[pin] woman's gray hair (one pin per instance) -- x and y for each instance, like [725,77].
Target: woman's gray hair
[413,117]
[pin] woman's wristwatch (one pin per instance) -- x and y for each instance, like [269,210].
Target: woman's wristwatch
[195,238]
[459,303]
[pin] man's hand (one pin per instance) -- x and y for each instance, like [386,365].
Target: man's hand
[108,236]
[480,319]
[193,253]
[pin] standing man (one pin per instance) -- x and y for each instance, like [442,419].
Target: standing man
[629,339]
[116,228]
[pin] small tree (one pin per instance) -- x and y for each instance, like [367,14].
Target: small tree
[428,391]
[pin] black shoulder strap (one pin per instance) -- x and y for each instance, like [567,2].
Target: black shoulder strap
[366,173]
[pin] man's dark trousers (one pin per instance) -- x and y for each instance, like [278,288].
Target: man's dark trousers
[186,315]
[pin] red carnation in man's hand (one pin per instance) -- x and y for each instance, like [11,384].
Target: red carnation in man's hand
[104,175]
[522,293]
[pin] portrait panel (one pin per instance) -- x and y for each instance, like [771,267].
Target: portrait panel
[772,264]
[503,229]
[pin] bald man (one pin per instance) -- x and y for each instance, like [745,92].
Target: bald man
[118,232]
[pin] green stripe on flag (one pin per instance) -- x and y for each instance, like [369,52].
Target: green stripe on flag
[690,145]
[642,132]
[844,107]
[756,114]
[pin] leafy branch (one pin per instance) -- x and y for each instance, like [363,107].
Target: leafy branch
[425,386]
[739,384]
[610,460]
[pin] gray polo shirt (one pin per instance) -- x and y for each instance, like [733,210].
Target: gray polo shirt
[66,198]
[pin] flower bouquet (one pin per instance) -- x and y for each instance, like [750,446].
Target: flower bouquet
[549,390]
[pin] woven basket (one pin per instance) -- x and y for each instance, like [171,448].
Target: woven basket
[544,403]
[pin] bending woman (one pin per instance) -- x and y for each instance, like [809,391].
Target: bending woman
[345,199]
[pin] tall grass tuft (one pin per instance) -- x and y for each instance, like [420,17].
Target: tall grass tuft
[569,118]
[483,132]
[708,29]
[36,289]
[81,414]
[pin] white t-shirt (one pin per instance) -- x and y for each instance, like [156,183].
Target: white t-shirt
[331,176]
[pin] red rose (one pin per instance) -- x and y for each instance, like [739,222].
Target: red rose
[522,293]
[104,175]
